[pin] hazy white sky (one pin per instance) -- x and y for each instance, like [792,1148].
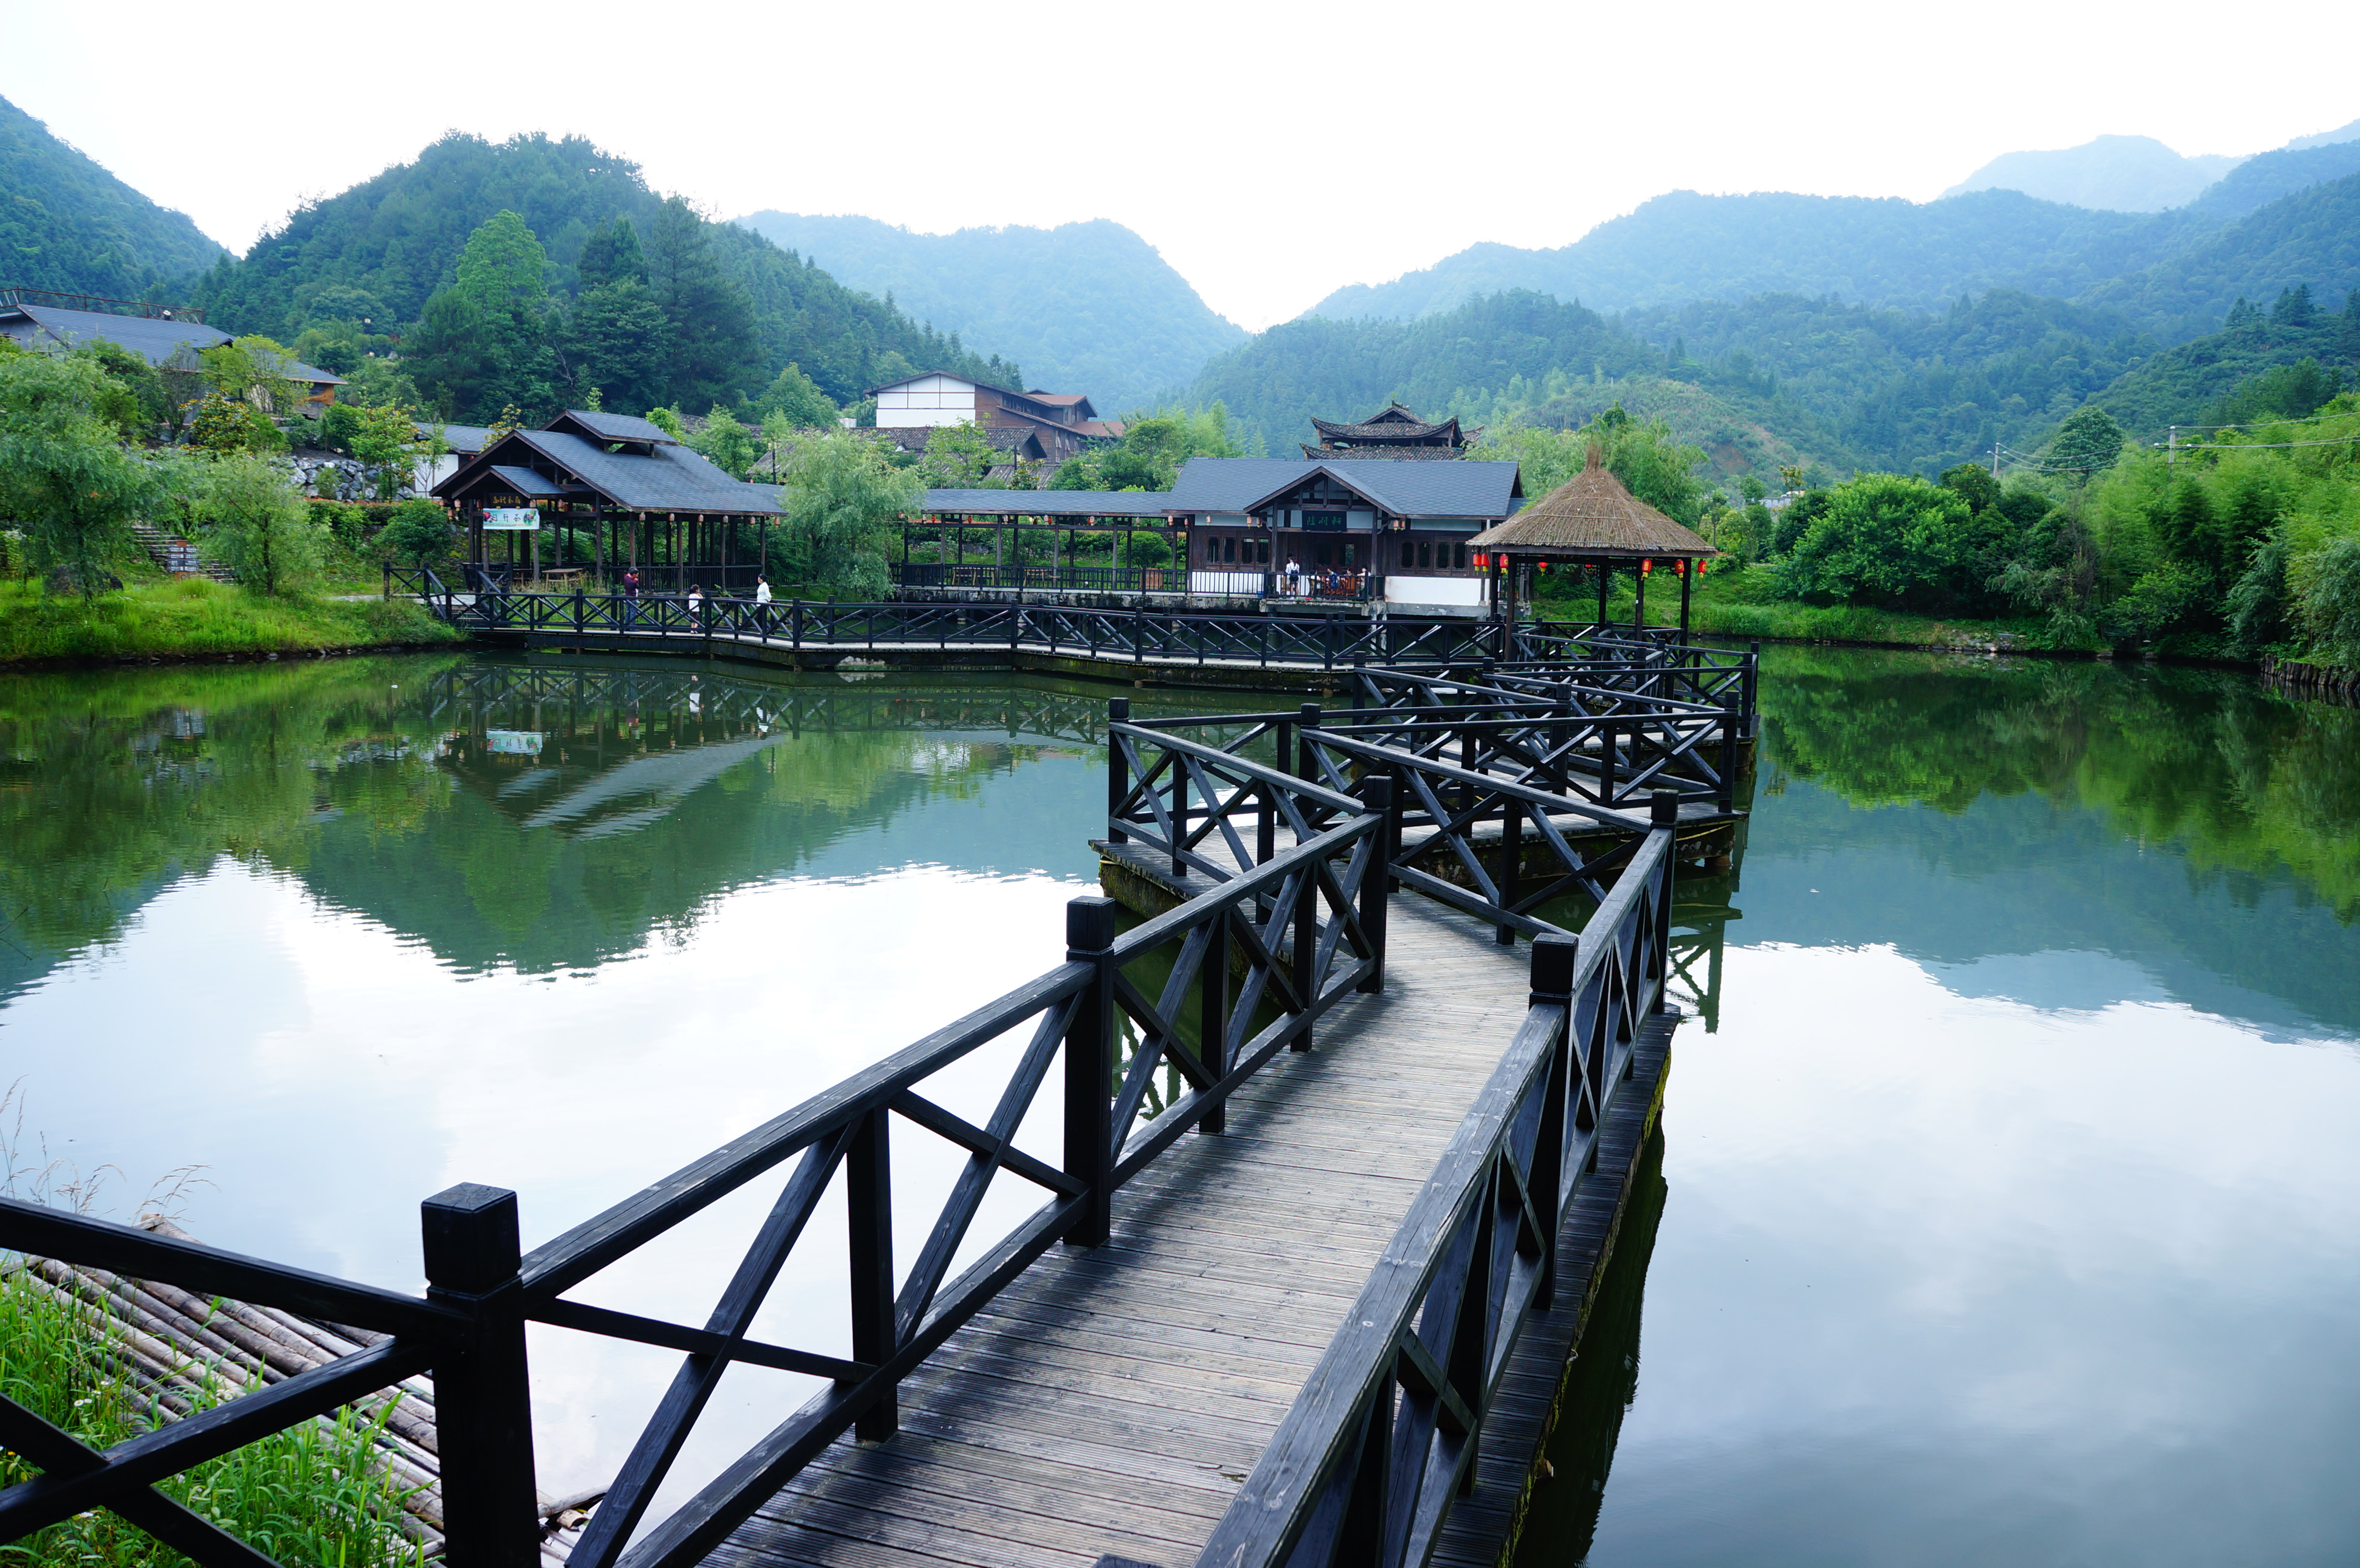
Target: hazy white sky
[1272,150]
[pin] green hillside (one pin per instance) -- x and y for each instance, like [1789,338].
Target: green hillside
[1085,307]
[377,254]
[2309,236]
[68,224]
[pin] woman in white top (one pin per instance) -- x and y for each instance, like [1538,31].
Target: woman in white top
[761,590]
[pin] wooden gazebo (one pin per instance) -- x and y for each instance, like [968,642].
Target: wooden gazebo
[1590,520]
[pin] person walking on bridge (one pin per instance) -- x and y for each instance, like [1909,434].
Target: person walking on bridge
[761,590]
[631,599]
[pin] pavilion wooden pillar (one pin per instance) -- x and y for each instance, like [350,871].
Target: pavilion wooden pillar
[1639,607]
[1688,574]
[1601,592]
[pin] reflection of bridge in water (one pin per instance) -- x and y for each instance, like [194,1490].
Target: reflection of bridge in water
[1329,1180]
[590,752]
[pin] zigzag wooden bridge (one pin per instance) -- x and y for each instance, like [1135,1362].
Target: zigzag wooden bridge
[1336,1172]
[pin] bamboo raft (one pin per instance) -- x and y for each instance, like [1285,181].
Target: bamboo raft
[182,1351]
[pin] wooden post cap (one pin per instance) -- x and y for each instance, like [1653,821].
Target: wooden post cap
[1089,925]
[469,1237]
[1554,954]
[1663,809]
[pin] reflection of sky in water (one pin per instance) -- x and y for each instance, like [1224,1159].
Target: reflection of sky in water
[328,1071]
[2012,1211]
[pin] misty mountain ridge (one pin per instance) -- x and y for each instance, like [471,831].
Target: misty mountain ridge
[2116,174]
[1877,250]
[1085,307]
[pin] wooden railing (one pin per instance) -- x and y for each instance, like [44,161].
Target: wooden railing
[1383,1436]
[1468,648]
[1283,941]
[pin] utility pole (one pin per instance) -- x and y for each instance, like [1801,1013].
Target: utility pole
[2171,449]
[1995,459]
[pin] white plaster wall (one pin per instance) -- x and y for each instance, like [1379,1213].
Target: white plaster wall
[928,400]
[1225,582]
[1434,589]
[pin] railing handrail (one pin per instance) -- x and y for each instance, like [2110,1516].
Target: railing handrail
[1266,1520]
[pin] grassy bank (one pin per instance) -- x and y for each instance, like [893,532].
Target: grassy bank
[316,1497]
[1742,602]
[194,618]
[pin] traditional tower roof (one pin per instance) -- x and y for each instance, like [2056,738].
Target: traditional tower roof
[1395,430]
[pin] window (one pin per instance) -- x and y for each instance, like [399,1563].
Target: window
[1426,554]
[1229,550]
[1459,552]
[1327,555]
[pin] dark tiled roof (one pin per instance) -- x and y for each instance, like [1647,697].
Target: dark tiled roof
[615,427]
[525,481]
[152,338]
[467,440]
[1403,489]
[1050,503]
[1397,422]
[1381,453]
[670,478]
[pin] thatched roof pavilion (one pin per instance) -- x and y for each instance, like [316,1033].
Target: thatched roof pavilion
[1591,520]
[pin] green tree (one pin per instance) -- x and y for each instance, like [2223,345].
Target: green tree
[617,346]
[416,531]
[799,399]
[612,254]
[386,445]
[842,496]
[711,341]
[254,370]
[262,528]
[450,359]
[2089,441]
[728,442]
[502,274]
[1896,540]
[957,457]
[65,475]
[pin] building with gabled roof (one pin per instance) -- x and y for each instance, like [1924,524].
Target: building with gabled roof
[1064,423]
[160,338]
[624,480]
[1395,432]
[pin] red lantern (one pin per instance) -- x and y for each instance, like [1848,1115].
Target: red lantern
[1645,566]
[1701,567]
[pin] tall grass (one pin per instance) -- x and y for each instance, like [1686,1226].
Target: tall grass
[315,1496]
[195,616]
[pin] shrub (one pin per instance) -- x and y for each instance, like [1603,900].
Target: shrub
[263,529]
[416,531]
[2327,600]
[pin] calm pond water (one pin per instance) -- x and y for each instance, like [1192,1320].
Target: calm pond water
[2010,1205]
[2008,1202]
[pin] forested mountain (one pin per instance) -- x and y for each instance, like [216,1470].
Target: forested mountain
[1887,250]
[665,308]
[1085,307]
[66,224]
[1777,378]
[2310,237]
[1756,382]
[2119,174]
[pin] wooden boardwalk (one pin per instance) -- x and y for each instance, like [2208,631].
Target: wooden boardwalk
[1110,1403]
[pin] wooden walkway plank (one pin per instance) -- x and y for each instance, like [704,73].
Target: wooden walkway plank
[1111,1402]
